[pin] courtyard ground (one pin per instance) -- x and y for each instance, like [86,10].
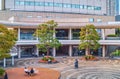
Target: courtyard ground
[101,69]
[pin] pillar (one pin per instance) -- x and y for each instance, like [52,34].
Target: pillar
[12,60]
[4,62]
[18,34]
[103,34]
[54,52]
[70,34]
[2,4]
[37,51]
[103,50]
[19,52]
[70,50]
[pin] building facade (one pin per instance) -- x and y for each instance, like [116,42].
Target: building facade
[25,15]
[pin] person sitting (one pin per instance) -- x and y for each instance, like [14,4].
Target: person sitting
[27,71]
[32,71]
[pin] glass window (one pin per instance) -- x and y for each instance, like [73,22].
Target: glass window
[17,3]
[75,6]
[91,20]
[50,3]
[99,20]
[81,6]
[97,8]
[27,3]
[48,16]
[46,3]
[31,3]
[67,5]
[42,3]
[39,16]
[29,16]
[22,3]
[85,7]
[62,34]
[89,7]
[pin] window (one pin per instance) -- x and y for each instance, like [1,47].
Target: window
[39,16]
[85,7]
[50,4]
[67,5]
[29,16]
[75,6]
[99,20]
[81,6]
[91,20]
[22,3]
[29,3]
[17,3]
[57,4]
[97,8]
[39,3]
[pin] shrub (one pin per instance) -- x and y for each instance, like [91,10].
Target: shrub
[2,71]
[46,58]
[89,57]
[116,53]
[112,35]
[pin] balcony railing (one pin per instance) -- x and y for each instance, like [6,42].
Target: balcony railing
[112,38]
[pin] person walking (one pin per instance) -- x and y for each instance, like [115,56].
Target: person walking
[5,76]
[76,63]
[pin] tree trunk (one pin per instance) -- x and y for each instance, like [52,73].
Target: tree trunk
[87,52]
[48,52]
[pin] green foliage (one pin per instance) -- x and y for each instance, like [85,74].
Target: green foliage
[89,38]
[112,35]
[7,40]
[2,71]
[45,34]
[89,57]
[116,53]
[46,58]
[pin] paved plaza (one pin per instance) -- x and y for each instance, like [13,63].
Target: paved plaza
[101,69]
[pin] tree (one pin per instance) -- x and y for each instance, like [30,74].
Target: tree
[89,38]
[45,34]
[7,41]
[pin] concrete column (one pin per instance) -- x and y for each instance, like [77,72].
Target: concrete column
[103,51]
[54,34]
[70,50]
[103,34]
[12,60]
[54,52]
[70,34]
[4,62]
[19,52]
[18,34]
[37,51]
[2,4]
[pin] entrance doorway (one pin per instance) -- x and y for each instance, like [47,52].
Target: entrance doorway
[27,51]
[63,51]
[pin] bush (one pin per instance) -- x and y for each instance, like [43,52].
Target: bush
[112,35]
[116,53]
[46,58]
[2,71]
[89,57]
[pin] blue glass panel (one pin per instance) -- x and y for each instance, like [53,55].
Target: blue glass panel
[17,3]
[50,3]
[67,5]
[81,6]
[22,3]
[32,3]
[46,3]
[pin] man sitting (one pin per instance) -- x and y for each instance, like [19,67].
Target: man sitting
[32,71]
